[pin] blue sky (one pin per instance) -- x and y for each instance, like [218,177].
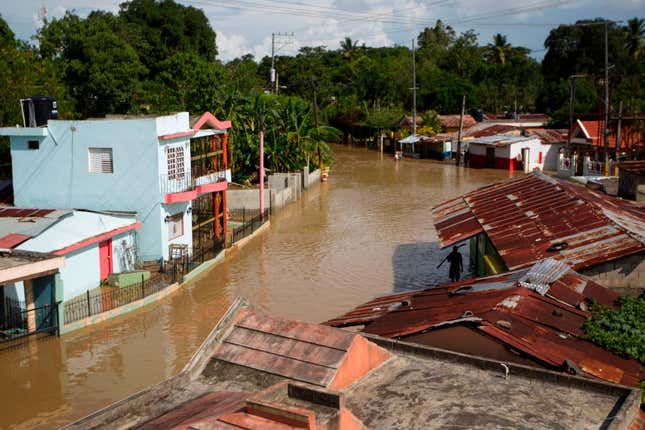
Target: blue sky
[245,26]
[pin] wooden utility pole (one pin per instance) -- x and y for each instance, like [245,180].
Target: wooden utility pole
[461,127]
[620,118]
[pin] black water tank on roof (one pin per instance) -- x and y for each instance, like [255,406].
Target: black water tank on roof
[38,110]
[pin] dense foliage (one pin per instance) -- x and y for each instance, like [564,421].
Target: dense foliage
[157,56]
[622,330]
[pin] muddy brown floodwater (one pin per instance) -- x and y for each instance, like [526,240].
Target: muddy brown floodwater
[366,232]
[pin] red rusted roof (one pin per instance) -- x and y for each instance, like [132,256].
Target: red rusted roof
[13,239]
[524,217]
[547,328]
[550,135]
[300,351]
[452,121]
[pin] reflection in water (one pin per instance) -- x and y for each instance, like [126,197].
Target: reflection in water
[366,232]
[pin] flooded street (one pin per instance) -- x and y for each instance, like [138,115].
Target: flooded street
[366,232]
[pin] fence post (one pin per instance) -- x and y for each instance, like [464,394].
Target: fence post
[143,294]
[89,308]
[243,215]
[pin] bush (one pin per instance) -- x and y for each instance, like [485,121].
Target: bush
[621,330]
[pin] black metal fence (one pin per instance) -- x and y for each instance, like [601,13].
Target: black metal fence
[249,224]
[17,322]
[106,298]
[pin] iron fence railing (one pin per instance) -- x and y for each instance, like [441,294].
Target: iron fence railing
[19,323]
[106,298]
[250,224]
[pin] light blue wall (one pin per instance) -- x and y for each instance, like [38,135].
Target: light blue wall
[187,238]
[81,271]
[57,175]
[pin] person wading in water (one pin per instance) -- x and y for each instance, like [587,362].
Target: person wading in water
[456,264]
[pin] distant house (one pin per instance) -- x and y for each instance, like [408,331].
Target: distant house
[93,244]
[588,135]
[524,120]
[171,170]
[407,120]
[507,151]
[450,123]
[515,223]
[35,309]
[531,316]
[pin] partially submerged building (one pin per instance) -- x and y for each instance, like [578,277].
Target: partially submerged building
[171,170]
[42,290]
[255,371]
[531,316]
[518,222]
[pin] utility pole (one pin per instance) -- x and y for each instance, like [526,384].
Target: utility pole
[606,119]
[620,118]
[276,45]
[461,127]
[414,92]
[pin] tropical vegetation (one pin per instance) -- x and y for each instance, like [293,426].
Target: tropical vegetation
[158,56]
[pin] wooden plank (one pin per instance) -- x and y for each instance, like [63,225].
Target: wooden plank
[207,155]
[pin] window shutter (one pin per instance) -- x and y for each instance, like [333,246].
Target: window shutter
[101,160]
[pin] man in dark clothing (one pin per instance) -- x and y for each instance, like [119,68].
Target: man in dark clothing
[456,264]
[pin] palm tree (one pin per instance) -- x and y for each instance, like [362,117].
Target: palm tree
[348,47]
[635,34]
[499,51]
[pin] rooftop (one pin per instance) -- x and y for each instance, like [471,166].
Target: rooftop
[399,385]
[591,132]
[500,140]
[452,121]
[537,312]
[533,217]
[17,265]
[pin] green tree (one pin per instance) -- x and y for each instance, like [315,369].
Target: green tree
[499,51]
[635,35]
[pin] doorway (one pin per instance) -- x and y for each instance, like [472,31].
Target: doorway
[490,158]
[105,258]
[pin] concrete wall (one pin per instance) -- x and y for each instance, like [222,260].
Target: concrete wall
[249,199]
[625,275]
[123,252]
[284,188]
[187,238]
[629,183]
[81,271]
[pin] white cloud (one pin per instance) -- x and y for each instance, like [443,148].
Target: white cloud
[231,46]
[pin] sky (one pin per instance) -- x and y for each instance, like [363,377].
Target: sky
[245,26]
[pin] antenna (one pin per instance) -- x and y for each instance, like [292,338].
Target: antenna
[276,45]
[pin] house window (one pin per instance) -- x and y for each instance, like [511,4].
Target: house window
[175,157]
[100,160]
[33,144]
[176,226]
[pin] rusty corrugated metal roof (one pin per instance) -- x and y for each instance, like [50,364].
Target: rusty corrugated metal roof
[525,217]
[547,328]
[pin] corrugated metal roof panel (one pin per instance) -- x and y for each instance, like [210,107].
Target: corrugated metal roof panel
[547,328]
[525,217]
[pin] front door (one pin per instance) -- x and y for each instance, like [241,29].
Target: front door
[490,157]
[43,289]
[105,258]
